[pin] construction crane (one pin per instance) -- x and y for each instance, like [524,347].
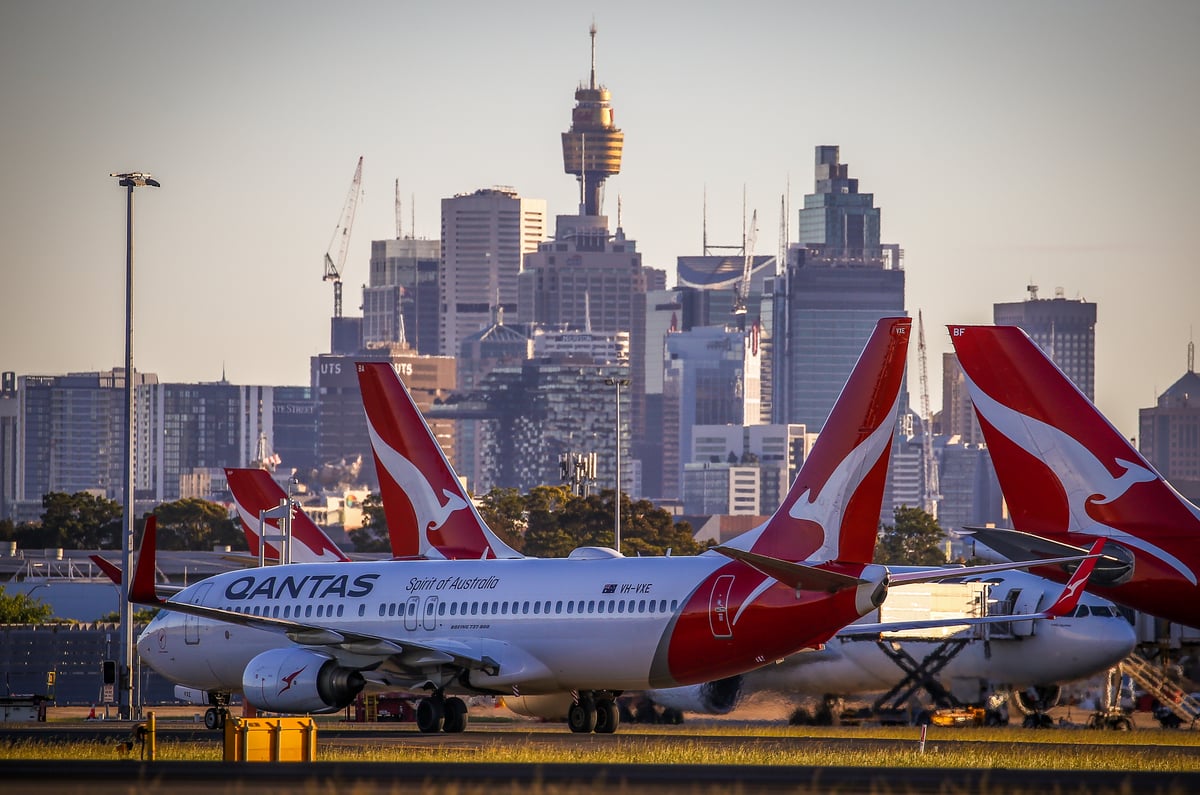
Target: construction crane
[341,241]
[741,298]
[930,489]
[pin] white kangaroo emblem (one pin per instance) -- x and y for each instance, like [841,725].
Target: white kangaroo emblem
[430,511]
[1082,475]
[826,509]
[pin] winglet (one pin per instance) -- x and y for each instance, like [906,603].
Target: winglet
[141,587]
[1071,593]
[110,571]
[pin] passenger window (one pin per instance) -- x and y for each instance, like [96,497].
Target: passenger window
[591,605]
[275,612]
[558,607]
[525,608]
[483,608]
[341,610]
[474,608]
[308,611]
[362,610]
[642,606]
[441,608]
[287,611]
[570,607]
[504,608]
[621,606]
[320,611]
[662,606]
[537,608]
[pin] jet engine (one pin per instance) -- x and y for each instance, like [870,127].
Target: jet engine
[299,681]
[710,698]
[553,706]
[1038,698]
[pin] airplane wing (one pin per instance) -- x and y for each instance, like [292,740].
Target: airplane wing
[1062,606]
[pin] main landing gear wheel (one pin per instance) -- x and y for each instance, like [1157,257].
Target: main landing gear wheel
[455,711]
[608,717]
[214,718]
[581,717]
[431,714]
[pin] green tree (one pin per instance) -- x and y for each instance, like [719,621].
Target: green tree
[505,512]
[373,535]
[915,539]
[21,608]
[195,524]
[558,526]
[76,521]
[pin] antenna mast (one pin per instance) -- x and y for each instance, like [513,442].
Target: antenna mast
[930,495]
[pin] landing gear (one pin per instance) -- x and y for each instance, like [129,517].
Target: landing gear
[437,713]
[214,716]
[594,713]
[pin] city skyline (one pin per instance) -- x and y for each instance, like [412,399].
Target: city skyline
[1006,144]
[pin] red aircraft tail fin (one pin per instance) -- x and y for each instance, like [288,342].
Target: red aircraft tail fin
[428,511]
[831,512]
[255,490]
[110,571]
[1067,474]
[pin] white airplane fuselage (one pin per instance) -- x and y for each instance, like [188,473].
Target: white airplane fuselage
[1060,650]
[549,625]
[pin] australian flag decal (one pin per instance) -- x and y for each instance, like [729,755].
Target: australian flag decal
[610,588]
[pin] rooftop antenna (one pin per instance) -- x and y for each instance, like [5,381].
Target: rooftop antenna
[400,231]
[412,213]
[618,211]
[592,31]
[1191,356]
[704,222]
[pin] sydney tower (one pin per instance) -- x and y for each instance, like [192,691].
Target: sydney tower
[592,147]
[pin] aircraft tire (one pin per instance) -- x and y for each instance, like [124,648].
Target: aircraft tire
[430,715]
[455,716]
[212,719]
[581,717]
[607,716]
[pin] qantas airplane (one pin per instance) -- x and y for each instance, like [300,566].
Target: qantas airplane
[1070,478]
[1016,656]
[307,638]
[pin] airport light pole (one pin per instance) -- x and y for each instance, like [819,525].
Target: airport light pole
[618,383]
[125,701]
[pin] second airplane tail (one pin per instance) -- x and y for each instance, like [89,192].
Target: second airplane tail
[417,484]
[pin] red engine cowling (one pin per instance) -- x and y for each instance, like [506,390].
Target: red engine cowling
[299,681]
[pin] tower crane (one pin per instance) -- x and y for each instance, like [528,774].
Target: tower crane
[930,489]
[741,298]
[334,262]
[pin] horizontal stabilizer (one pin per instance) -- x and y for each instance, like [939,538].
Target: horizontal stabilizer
[796,575]
[933,575]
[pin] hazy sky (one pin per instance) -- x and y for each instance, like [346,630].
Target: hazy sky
[1057,142]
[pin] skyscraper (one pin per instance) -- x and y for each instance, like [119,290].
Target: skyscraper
[1169,433]
[400,303]
[1064,329]
[840,279]
[485,234]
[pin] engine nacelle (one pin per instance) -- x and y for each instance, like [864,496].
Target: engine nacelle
[299,681]
[1038,698]
[552,706]
[710,698]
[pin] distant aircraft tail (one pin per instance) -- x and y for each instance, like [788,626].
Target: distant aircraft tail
[1066,472]
[831,512]
[428,511]
[255,490]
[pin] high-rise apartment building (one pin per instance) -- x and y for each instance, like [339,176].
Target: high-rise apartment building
[840,279]
[71,433]
[1169,433]
[182,427]
[1064,329]
[485,235]
[400,302]
[711,378]
[9,422]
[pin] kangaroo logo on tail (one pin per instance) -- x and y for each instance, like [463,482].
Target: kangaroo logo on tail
[431,513]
